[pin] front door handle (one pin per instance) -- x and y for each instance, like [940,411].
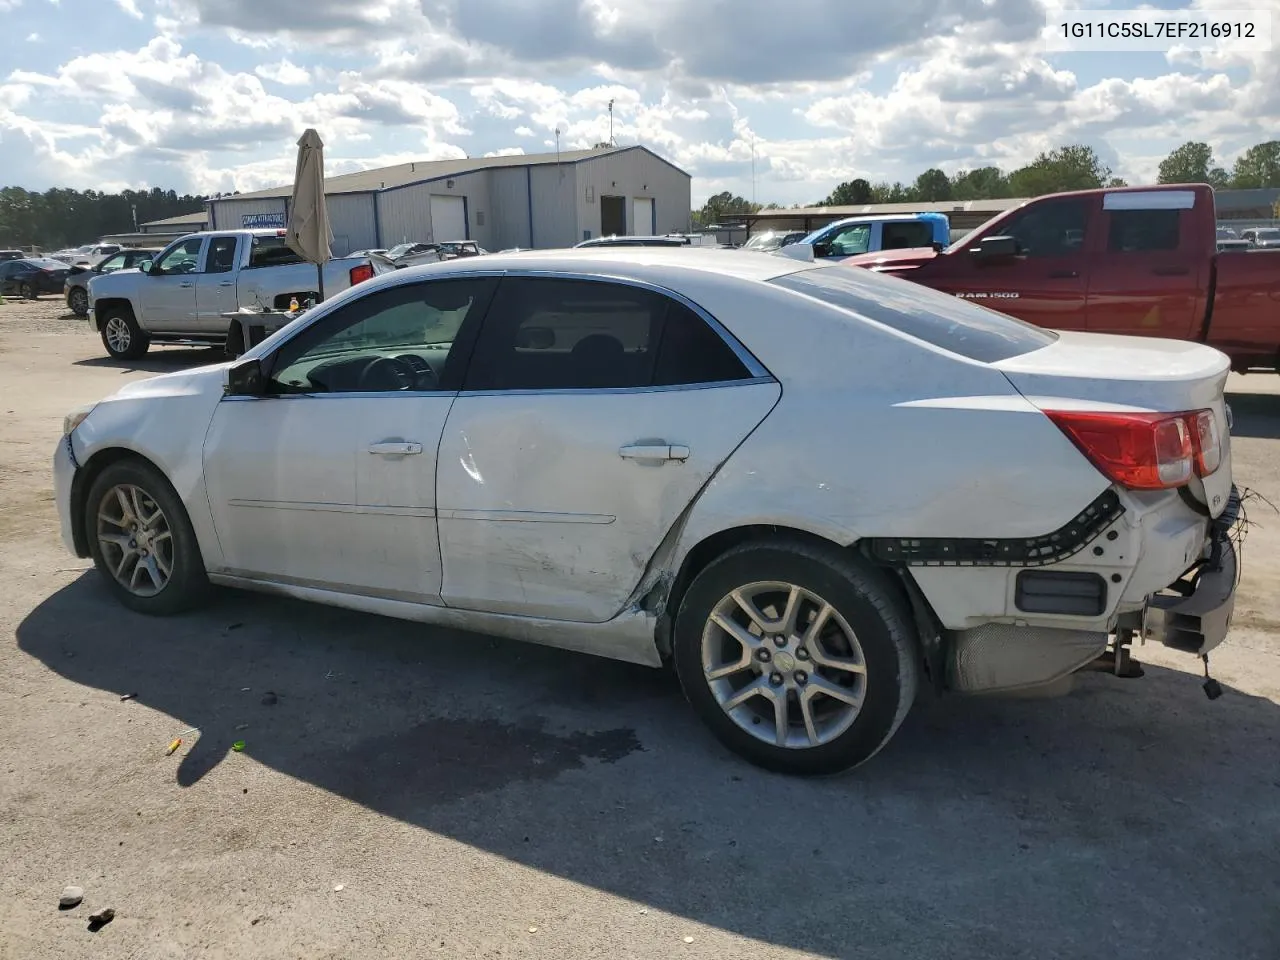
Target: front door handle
[1171,271]
[186,283]
[227,283]
[395,448]
[1064,274]
[655,450]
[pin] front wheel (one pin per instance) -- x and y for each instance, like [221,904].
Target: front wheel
[27,291]
[122,336]
[141,540]
[78,301]
[801,659]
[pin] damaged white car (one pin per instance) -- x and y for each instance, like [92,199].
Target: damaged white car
[809,488]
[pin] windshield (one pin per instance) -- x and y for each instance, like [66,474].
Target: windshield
[400,249]
[960,326]
[1269,233]
[764,241]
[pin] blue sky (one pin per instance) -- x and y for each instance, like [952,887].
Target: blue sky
[210,95]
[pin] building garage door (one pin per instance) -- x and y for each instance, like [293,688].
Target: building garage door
[448,218]
[642,216]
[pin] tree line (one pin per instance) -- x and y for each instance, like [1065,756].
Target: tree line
[61,218]
[1074,167]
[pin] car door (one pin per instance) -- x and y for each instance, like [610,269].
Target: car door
[1148,280]
[7,273]
[216,283]
[167,294]
[1045,283]
[592,414]
[329,479]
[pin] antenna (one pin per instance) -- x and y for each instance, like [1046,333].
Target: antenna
[557,144]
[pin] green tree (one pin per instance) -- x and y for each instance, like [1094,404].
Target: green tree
[1189,163]
[1074,167]
[1259,166]
[984,183]
[720,206]
[848,194]
[892,193]
[932,185]
[60,217]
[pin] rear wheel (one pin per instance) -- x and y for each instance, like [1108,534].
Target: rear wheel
[122,336]
[141,540]
[801,659]
[27,291]
[78,301]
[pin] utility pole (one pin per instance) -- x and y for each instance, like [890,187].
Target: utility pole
[753,168]
[611,143]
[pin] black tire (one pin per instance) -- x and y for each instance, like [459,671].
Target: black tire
[129,345]
[27,291]
[188,585]
[866,600]
[78,301]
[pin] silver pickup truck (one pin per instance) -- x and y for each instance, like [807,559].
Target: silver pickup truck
[196,281]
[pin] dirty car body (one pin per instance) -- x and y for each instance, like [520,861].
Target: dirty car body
[807,486]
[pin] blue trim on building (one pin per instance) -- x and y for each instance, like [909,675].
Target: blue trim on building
[466,219]
[213,216]
[653,216]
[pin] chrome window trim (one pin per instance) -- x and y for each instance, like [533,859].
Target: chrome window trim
[755,368]
[565,391]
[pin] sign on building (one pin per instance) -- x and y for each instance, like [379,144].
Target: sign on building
[254,221]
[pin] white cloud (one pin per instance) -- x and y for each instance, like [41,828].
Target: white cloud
[284,72]
[33,37]
[130,7]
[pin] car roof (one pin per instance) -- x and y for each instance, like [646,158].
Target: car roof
[638,262]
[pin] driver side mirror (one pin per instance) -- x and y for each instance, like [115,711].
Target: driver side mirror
[245,379]
[996,248]
[821,249]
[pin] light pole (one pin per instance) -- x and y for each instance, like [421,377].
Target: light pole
[611,123]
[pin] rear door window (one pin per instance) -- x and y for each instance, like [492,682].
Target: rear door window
[900,236]
[956,325]
[1143,231]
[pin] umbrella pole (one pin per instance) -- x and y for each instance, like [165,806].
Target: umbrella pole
[320,280]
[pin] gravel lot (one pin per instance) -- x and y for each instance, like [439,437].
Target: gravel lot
[419,792]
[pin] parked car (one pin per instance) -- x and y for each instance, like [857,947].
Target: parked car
[1140,261]
[11,255]
[198,280]
[771,240]
[412,254]
[76,287]
[615,452]
[1266,237]
[32,276]
[452,249]
[854,236]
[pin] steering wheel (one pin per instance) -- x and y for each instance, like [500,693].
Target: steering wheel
[380,372]
[424,377]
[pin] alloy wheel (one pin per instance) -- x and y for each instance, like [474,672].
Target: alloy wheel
[119,337]
[783,664]
[136,540]
[79,301]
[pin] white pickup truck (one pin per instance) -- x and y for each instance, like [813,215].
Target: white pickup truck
[191,286]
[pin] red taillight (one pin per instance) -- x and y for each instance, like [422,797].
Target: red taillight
[1145,451]
[361,273]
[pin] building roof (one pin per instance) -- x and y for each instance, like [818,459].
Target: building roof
[405,174]
[187,219]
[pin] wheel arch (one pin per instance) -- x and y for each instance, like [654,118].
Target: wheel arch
[84,479]
[102,307]
[716,544]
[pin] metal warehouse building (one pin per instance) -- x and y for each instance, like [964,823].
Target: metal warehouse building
[534,200]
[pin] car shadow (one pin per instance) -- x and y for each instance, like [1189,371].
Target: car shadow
[162,360]
[1255,415]
[1132,816]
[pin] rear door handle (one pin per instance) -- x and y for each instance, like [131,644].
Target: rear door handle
[1064,274]
[395,448]
[227,283]
[186,283]
[654,451]
[1171,271]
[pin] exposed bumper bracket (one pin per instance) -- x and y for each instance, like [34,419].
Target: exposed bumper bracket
[1197,621]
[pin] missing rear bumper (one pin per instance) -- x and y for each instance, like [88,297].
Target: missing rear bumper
[1196,616]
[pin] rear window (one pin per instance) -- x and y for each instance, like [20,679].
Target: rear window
[940,319]
[270,251]
[44,263]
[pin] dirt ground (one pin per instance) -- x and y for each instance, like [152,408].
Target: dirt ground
[419,792]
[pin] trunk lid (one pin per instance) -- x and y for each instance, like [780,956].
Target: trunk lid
[1093,371]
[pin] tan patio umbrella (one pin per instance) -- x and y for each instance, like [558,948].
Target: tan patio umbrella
[308,233]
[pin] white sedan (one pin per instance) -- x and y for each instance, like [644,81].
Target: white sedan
[807,487]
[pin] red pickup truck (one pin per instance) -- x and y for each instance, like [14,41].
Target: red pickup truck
[1129,260]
